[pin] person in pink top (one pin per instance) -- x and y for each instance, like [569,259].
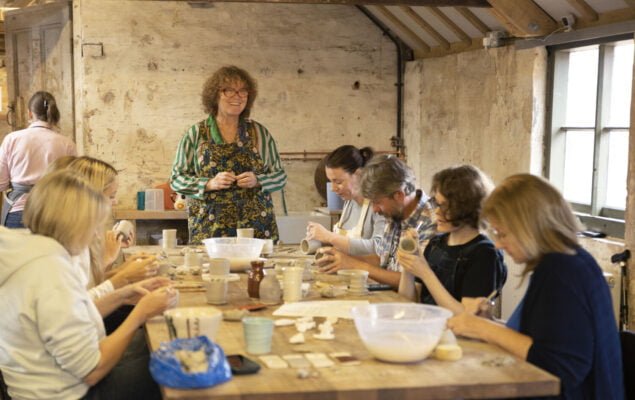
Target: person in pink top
[25,155]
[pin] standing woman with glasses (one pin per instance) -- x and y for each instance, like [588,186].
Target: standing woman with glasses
[26,154]
[460,261]
[228,165]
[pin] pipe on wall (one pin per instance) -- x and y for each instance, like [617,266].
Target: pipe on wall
[404,53]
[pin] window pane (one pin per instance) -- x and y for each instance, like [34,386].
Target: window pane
[578,166]
[620,102]
[618,165]
[582,87]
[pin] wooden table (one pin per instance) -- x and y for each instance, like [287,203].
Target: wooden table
[485,371]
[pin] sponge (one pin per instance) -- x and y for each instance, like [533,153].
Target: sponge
[448,352]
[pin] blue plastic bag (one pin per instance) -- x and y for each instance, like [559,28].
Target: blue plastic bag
[167,370]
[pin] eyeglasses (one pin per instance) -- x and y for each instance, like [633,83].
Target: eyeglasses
[231,92]
[496,234]
[434,204]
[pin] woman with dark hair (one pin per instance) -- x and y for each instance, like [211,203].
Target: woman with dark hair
[460,261]
[228,165]
[359,229]
[26,154]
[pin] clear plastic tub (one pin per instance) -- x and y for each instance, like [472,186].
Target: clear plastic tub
[239,251]
[400,332]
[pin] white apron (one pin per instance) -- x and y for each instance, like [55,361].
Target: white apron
[356,232]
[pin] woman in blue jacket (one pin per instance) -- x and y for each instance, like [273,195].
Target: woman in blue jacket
[564,324]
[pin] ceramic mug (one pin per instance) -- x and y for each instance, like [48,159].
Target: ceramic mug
[189,322]
[219,266]
[216,290]
[123,228]
[310,246]
[245,232]
[258,332]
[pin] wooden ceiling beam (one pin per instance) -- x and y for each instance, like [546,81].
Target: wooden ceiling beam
[473,19]
[607,18]
[586,11]
[423,24]
[451,25]
[414,3]
[456,47]
[509,26]
[422,46]
[526,16]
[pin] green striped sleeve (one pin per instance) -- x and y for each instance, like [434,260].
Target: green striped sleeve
[274,178]
[184,177]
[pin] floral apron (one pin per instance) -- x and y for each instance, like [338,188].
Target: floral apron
[223,211]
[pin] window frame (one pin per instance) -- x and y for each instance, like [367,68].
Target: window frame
[595,216]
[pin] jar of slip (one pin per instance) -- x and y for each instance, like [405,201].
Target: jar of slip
[254,277]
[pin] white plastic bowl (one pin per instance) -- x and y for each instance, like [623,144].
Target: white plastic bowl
[233,247]
[400,332]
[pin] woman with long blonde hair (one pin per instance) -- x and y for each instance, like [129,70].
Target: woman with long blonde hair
[564,324]
[53,344]
[103,251]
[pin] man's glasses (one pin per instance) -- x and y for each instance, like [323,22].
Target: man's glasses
[231,92]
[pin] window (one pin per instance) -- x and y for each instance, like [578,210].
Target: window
[589,121]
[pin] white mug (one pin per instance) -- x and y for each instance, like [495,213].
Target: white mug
[191,259]
[245,232]
[216,290]
[169,239]
[219,266]
[267,248]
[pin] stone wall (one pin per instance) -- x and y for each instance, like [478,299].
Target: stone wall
[486,108]
[478,107]
[326,77]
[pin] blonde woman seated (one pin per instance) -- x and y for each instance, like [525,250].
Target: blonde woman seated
[565,323]
[103,251]
[53,344]
[359,230]
[459,261]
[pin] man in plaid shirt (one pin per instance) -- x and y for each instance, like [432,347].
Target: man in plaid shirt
[390,186]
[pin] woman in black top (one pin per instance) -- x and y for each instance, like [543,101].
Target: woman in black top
[460,261]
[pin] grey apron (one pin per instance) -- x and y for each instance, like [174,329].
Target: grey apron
[9,198]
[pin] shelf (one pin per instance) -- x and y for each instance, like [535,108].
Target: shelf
[149,215]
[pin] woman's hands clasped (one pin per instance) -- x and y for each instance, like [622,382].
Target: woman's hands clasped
[246,180]
[224,180]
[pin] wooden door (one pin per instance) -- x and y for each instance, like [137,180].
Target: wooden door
[39,56]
